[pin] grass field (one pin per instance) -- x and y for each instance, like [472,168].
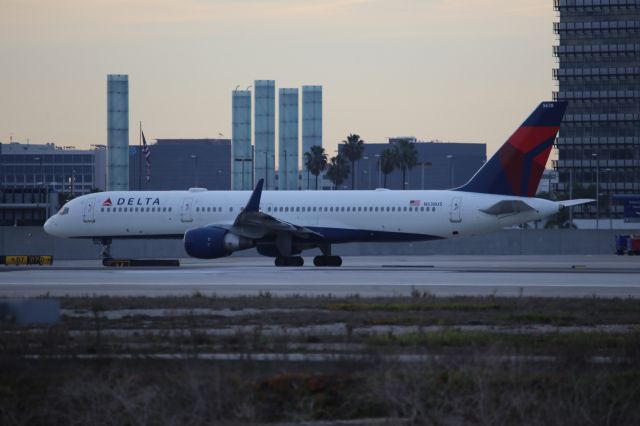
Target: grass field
[270,360]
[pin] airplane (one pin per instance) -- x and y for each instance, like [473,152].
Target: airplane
[282,224]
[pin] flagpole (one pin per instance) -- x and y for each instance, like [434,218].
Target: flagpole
[140,159]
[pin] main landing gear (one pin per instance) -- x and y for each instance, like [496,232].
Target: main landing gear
[327,261]
[289,261]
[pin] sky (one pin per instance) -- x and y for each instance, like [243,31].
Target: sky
[462,71]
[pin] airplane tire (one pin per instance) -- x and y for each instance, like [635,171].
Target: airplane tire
[289,261]
[327,261]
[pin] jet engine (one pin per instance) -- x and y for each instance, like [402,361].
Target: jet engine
[211,242]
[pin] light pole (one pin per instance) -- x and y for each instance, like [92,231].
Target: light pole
[422,164]
[368,171]
[595,155]
[195,170]
[571,197]
[379,171]
[450,157]
[608,171]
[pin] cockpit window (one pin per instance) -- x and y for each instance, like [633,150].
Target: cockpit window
[63,211]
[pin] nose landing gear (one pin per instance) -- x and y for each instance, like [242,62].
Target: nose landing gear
[105,247]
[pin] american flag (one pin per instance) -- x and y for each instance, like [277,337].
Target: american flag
[146,151]
[414,203]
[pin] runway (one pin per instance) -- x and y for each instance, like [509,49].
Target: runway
[549,276]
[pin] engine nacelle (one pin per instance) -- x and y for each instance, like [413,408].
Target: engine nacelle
[211,242]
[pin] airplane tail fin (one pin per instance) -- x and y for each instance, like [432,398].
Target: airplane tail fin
[516,168]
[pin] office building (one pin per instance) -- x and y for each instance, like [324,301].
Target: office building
[179,164]
[311,125]
[288,140]
[264,132]
[598,57]
[117,132]
[242,161]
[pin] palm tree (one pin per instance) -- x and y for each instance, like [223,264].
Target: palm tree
[338,170]
[353,149]
[387,163]
[315,161]
[406,157]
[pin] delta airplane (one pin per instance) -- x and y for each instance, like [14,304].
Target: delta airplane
[282,224]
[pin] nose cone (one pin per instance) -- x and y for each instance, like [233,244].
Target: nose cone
[50,226]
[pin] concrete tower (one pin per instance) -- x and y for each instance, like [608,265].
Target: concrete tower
[264,132]
[311,127]
[117,132]
[242,161]
[288,139]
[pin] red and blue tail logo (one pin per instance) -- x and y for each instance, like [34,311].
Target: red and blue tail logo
[517,167]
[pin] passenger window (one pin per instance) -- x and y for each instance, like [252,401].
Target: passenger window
[405,209]
[393,209]
[421,209]
[348,208]
[342,209]
[120,209]
[297,209]
[376,209]
[164,209]
[169,208]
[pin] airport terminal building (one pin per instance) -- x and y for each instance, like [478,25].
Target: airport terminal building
[441,165]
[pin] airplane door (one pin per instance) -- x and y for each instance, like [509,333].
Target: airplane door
[455,214]
[88,210]
[186,212]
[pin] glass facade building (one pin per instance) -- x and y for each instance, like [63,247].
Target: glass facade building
[61,170]
[598,57]
[242,162]
[288,140]
[311,125]
[264,129]
[117,132]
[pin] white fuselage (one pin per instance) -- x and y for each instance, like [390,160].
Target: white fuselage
[402,215]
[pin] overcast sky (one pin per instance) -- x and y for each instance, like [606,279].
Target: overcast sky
[452,70]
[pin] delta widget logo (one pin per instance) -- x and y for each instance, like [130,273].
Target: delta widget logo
[107,203]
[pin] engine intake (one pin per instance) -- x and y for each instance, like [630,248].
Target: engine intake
[212,242]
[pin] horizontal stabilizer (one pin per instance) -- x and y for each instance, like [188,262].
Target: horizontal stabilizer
[576,202]
[505,207]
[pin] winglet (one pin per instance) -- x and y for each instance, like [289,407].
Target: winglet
[254,202]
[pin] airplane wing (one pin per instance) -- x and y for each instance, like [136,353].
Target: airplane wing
[570,203]
[254,224]
[507,207]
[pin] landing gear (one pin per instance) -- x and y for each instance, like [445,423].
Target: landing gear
[289,261]
[105,247]
[327,261]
